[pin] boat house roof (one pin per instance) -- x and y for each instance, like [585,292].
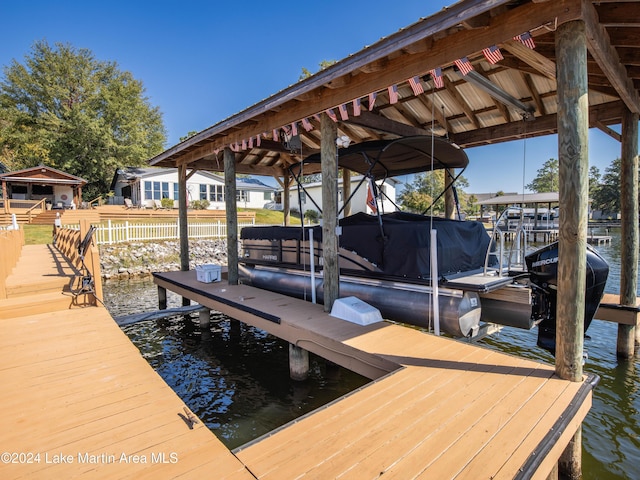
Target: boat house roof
[522,198]
[42,175]
[395,85]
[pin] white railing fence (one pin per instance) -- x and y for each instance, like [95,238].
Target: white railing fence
[110,232]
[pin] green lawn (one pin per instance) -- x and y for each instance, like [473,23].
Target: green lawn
[38,234]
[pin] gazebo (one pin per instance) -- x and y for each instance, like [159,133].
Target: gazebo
[45,185]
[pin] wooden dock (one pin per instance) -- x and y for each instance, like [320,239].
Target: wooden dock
[78,399]
[437,408]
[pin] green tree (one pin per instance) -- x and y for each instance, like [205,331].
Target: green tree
[419,194]
[65,109]
[607,196]
[323,64]
[547,178]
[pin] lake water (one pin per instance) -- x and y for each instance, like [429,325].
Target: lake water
[236,379]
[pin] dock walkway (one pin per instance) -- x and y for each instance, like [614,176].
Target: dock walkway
[78,399]
[438,408]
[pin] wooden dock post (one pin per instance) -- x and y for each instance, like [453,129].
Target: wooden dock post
[627,334]
[328,148]
[183,222]
[298,363]
[232,215]
[162,298]
[204,318]
[573,129]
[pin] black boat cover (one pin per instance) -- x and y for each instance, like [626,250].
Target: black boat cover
[404,252]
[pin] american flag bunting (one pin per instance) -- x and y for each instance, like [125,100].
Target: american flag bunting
[357,107]
[492,54]
[436,74]
[276,136]
[306,124]
[464,65]
[416,86]
[250,142]
[332,114]
[372,100]
[526,39]
[294,129]
[393,94]
[343,112]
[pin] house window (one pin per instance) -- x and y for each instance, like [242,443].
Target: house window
[203,191]
[156,191]
[242,196]
[176,191]
[42,189]
[217,193]
[267,195]
[165,189]
[148,191]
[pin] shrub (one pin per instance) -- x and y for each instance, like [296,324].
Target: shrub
[312,216]
[200,204]
[167,203]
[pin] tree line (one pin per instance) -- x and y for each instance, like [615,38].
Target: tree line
[604,190]
[66,109]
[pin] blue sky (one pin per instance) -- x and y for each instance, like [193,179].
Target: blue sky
[202,61]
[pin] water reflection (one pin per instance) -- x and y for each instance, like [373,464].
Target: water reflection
[233,376]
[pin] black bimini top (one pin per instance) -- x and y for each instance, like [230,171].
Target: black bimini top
[389,158]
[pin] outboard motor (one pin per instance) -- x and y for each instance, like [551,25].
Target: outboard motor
[543,271]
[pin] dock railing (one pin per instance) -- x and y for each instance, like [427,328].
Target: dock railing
[11,242]
[68,241]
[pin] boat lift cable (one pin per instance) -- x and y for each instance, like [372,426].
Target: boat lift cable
[300,189]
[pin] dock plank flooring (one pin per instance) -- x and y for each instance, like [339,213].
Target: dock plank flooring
[439,408]
[74,384]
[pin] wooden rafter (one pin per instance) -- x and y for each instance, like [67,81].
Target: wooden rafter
[386,125]
[462,103]
[537,61]
[599,46]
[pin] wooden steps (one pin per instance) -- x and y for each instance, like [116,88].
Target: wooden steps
[35,304]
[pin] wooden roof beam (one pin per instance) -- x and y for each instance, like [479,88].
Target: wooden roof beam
[385,125]
[534,93]
[462,103]
[606,56]
[537,61]
[609,113]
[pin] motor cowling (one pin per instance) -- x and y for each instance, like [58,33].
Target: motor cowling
[542,266]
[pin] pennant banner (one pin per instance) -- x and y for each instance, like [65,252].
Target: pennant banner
[526,39]
[343,112]
[306,124]
[357,107]
[464,65]
[416,86]
[436,74]
[393,94]
[492,54]
[372,100]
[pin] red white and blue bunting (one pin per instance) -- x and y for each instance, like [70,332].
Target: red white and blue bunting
[492,54]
